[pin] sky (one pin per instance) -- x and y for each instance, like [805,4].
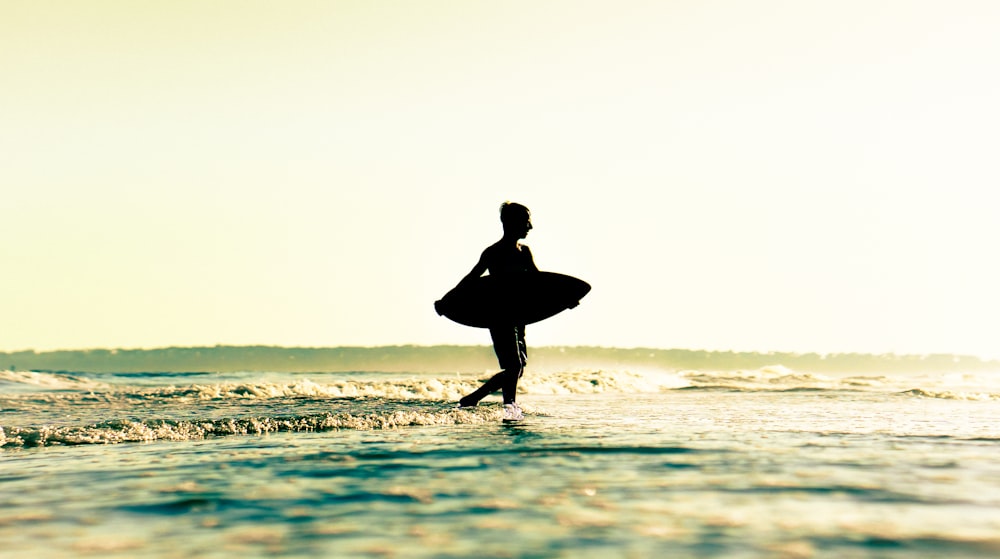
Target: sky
[752,176]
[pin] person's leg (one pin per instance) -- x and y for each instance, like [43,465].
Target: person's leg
[512,373]
[505,344]
[489,387]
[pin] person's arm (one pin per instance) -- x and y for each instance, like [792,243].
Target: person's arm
[477,270]
[531,259]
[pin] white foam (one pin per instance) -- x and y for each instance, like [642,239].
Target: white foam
[48,381]
[113,432]
[598,382]
[427,389]
[781,378]
[454,387]
[574,382]
[949,395]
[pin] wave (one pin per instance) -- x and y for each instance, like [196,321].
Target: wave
[61,387]
[414,388]
[48,381]
[123,431]
[406,389]
[781,379]
[70,409]
[950,395]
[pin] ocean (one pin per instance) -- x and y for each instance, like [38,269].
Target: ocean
[628,462]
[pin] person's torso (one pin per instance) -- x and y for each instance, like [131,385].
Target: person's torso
[505,261]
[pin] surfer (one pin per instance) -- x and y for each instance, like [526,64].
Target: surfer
[504,259]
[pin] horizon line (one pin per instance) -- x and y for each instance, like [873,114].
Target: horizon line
[440,345]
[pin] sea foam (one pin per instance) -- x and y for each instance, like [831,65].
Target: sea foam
[122,431]
[70,408]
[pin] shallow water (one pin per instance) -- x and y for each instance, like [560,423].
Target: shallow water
[769,463]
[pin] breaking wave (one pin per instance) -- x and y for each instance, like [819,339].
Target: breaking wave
[949,395]
[51,387]
[122,431]
[40,409]
[46,381]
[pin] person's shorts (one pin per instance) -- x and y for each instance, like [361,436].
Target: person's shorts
[510,347]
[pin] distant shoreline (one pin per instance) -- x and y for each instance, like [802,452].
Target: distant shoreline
[464,358]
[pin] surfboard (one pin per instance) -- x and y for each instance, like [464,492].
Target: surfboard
[523,299]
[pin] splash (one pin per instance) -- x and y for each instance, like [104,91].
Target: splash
[123,431]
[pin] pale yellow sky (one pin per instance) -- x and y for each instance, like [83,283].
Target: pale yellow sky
[790,176]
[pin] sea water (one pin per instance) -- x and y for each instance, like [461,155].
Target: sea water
[631,463]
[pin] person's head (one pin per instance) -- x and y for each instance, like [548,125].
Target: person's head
[516,219]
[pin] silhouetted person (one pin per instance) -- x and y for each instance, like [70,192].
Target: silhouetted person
[504,260]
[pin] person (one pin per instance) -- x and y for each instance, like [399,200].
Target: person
[504,260]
